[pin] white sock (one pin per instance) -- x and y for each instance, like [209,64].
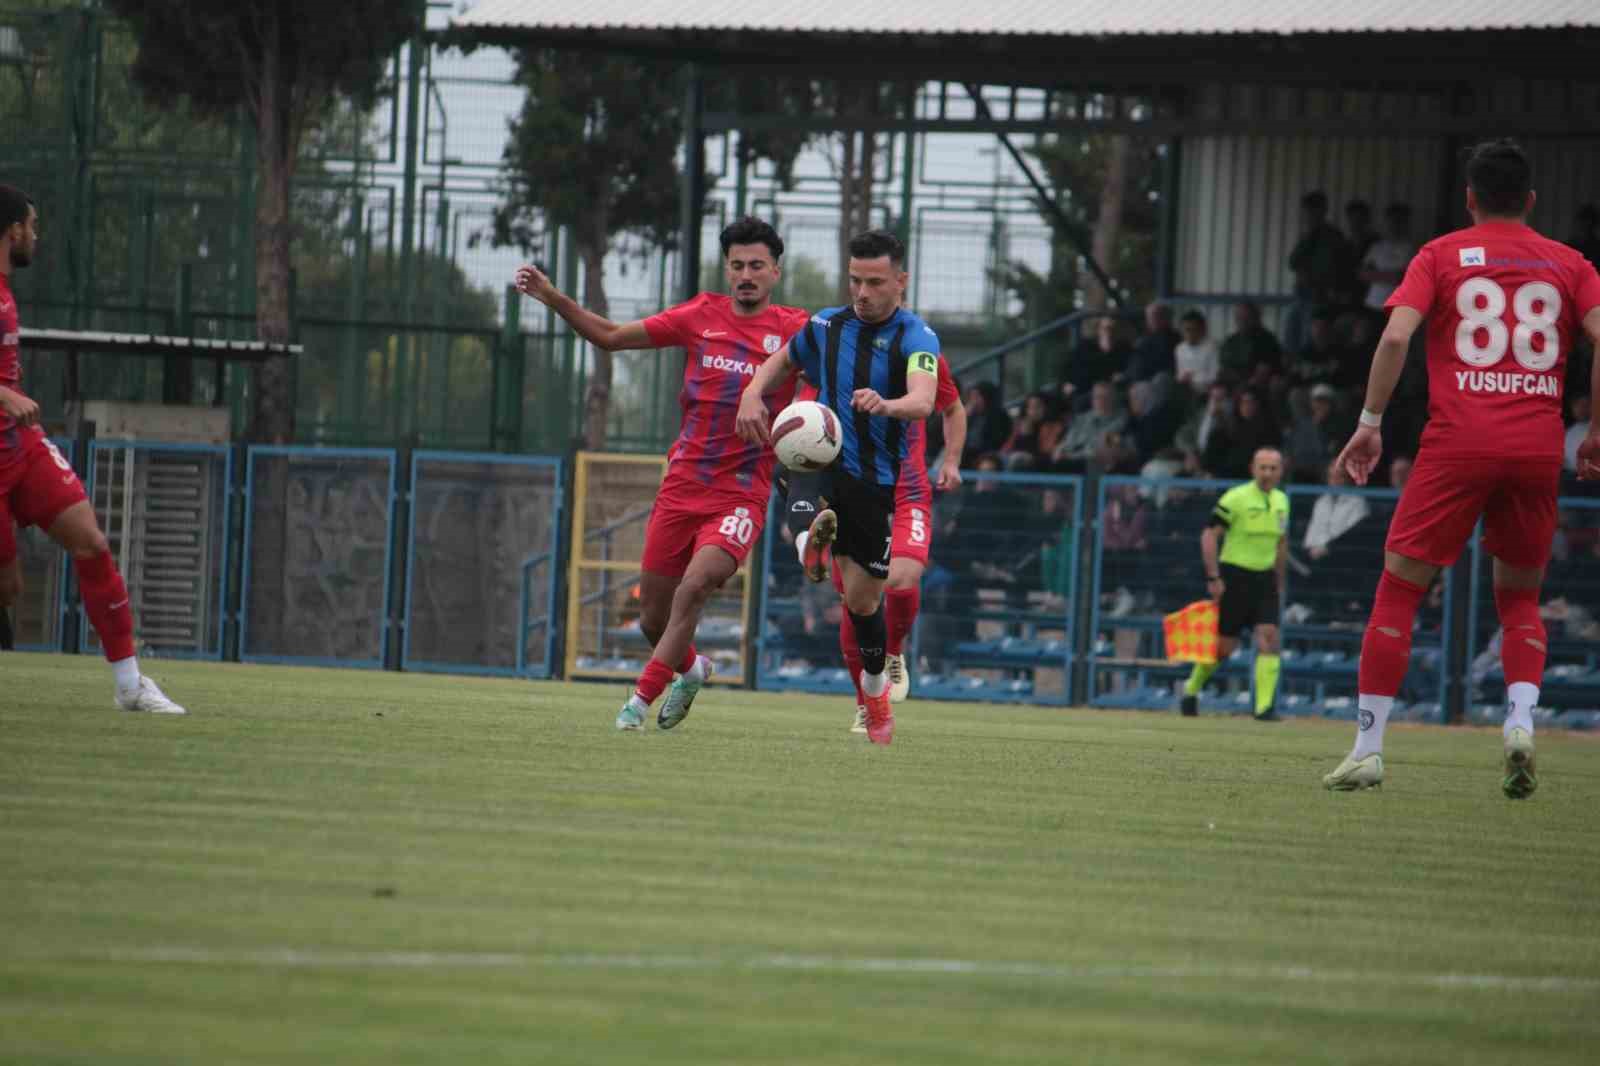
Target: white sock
[697,672]
[1521,696]
[126,672]
[874,685]
[638,703]
[800,546]
[1373,716]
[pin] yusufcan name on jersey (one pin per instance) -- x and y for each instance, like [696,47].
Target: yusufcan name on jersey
[1499,381]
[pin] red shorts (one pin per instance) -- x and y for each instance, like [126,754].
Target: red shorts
[1444,499]
[913,532]
[34,492]
[682,523]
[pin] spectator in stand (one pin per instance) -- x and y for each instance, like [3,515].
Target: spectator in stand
[1233,446]
[1320,360]
[1197,431]
[1385,262]
[1399,472]
[1586,232]
[1196,356]
[1360,236]
[1097,358]
[1035,433]
[1251,352]
[1332,516]
[1316,436]
[1356,334]
[1123,524]
[1152,425]
[988,425]
[1319,262]
[1581,406]
[1086,437]
[1154,351]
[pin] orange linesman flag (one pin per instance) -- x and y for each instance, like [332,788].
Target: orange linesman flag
[1192,633]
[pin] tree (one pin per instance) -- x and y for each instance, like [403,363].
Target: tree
[284,63]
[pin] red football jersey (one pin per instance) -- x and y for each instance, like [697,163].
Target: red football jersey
[13,438]
[913,485]
[724,350]
[1504,306]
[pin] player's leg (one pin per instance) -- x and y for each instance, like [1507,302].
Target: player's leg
[850,649]
[669,541]
[655,603]
[811,520]
[708,571]
[1232,616]
[1519,525]
[1268,644]
[1431,525]
[863,601]
[10,576]
[902,597]
[105,600]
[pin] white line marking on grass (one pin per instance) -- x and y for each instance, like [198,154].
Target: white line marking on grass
[777,963]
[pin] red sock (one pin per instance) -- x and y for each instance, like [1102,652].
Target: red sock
[1522,646]
[852,654]
[105,599]
[657,676]
[900,611]
[1386,648]
[688,660]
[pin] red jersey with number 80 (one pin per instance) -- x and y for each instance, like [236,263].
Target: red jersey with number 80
[1504,306]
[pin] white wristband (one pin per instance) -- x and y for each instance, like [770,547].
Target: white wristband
[1368,418]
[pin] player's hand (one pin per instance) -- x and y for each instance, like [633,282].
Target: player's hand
[22,410]
[869,401]
[1589,457]
[1215,588]
[949,477]
[1360,456]
[751,421]
[531,281]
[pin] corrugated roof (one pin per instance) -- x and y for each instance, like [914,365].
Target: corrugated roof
[1067,18]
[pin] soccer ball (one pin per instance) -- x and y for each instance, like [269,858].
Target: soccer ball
[806,436]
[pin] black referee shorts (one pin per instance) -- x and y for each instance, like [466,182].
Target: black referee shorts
[864,509]
[1249,598]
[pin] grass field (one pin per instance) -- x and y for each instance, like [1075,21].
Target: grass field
[347,867]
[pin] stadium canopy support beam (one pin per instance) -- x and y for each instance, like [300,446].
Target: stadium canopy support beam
[1075,234]
[692,207]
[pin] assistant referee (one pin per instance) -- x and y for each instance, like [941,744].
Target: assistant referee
[1245,576]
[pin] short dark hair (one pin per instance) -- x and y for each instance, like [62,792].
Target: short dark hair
[14,205]
[876,243]
[1316,199]
[752,230]
[1357,205]
[1193,315]
[1500,177]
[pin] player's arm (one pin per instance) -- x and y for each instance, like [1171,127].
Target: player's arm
[1281,563]
[1589,450]
[1210,539]
[24,411]
[922,386]
[955,442]
[1361,454]
[596,329]
[751,421]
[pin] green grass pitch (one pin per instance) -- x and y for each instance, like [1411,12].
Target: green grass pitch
[349,867]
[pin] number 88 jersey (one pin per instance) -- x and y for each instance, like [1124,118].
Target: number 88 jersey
[1504,306]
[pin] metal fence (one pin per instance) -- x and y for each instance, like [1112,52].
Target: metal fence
[1147,564]
[318,543]
[476,520]
[165,510]
[997,620]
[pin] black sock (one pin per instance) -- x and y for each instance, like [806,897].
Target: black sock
[805,500]
[7,641]
[871,635]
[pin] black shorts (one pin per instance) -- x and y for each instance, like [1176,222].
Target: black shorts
[865,512]
[1249,598]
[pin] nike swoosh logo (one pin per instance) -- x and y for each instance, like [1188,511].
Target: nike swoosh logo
[119,605]
[715,333]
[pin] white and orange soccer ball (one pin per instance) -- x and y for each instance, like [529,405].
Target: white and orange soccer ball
[806,436]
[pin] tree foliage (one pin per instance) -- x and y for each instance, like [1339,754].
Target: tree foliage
[284,63]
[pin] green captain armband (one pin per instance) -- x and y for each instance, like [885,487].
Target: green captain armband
[923,363]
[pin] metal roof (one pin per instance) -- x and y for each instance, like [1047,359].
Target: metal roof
[1049,18]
